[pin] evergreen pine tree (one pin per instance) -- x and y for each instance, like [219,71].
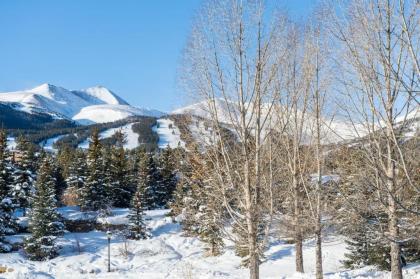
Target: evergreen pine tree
[76,179]
[5,170]
[44,221]
[60,185]
[182,183]
[8,224]
[136,226]
[119,185]
[7,221]
[182,188]
[210,222]
[168,183]
[93,194]
[192,199]
[107,178]
[149,176]
[23,174]
[65,157]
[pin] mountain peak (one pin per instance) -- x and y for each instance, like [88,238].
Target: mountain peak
[43,87]
[105,95]
[94,104]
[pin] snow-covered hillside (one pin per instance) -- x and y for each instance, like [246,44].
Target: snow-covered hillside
[92,105]
[168,134]
[169,254]
[48,144]
[333,131]
[131,137]
[111,113]
[11,143]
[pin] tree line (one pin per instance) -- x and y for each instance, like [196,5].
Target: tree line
[288,88]
[37,183]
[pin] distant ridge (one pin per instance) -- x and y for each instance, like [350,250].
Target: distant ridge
[86,106]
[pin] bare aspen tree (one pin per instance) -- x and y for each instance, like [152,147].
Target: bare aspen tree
[318,99]
[291,116]
[231,61]
[381,83]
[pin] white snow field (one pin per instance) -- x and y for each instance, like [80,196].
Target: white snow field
[48,144]
[110,113]
[200,133]
[168,134]
[11,143]
[168,254]
[336,130]
[131,137]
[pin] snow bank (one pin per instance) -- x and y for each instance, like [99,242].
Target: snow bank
[168,254]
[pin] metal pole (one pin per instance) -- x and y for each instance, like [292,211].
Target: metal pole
[109,254]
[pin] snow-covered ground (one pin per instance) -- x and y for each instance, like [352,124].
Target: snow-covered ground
[131,137]
[201,133]
[48,144]
[168,254]
[11,143]
[168,134]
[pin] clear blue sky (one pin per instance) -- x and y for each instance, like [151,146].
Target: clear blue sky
[132,47]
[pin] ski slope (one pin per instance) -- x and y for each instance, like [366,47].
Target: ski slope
[48,144]
[169,254]
[168,134]
[130,136]
[11,143]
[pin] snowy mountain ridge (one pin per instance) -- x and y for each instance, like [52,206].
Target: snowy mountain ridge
[333,131]
[86,106]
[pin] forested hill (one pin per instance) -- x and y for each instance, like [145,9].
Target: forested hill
[11,118]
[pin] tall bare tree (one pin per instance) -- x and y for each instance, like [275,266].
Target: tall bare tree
[231,61]
[381,82]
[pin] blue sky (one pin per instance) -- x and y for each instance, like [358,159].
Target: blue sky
[132,47]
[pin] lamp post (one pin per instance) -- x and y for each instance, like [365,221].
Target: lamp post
[108,235]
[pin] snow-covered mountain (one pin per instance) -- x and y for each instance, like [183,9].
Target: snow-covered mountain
[201,109]
[334,131]
[92,105]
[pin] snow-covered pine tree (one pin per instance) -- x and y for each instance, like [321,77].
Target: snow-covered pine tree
[192,200]
[23,174]
[182,184]
[60,185]
[8,224]
[182,188]
[93,194]
[210,222]
[136,226]
[5,174]
[107,177]
[168,183]
[149,176]
[119,184]
[44,223]
[7,221]
[65,157]
[76,179]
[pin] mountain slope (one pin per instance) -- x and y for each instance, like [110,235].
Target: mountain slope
[110,113]
[92,105]
[12,117]
[334,131]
